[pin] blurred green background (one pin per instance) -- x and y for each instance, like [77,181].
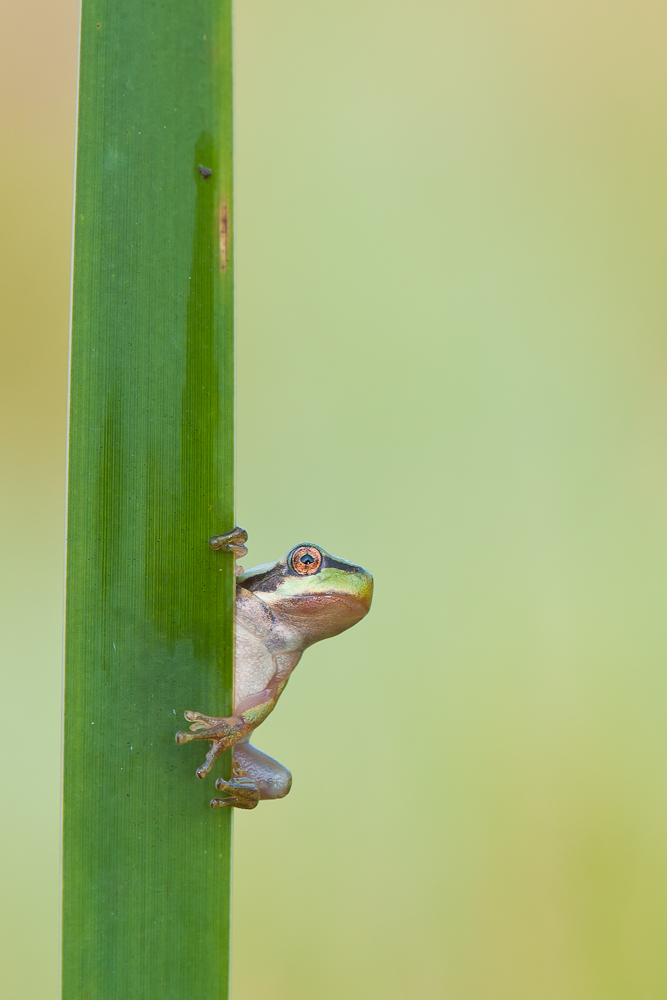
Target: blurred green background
[452,241]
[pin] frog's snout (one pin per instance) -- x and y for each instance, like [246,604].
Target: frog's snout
[364,589]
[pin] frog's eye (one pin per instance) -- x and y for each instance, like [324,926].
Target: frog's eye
[306,560]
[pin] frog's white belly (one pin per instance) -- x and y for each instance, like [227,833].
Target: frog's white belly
[254,665]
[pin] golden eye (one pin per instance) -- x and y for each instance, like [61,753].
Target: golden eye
[306,560]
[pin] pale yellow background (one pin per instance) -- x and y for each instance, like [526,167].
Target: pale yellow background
[452,252]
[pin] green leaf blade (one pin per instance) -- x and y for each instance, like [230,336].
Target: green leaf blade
[149,622]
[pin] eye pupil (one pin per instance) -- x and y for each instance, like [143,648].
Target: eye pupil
[307,560]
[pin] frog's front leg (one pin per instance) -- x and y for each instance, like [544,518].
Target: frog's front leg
[223,734]
[226,732]
[255,776]
[233,541]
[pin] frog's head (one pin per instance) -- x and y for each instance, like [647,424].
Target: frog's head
[321,594]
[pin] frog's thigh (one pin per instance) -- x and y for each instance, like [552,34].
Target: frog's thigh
[273,780]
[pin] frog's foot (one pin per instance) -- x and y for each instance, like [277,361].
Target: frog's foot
[223,734]
[232,541]
[240,791]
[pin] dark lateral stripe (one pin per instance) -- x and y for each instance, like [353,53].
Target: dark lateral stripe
[332,563]
[254,581]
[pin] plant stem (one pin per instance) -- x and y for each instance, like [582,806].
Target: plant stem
[149,620]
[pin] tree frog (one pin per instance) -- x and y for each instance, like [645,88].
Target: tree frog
[281,608]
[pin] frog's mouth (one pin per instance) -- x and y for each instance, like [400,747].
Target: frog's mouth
[330,608]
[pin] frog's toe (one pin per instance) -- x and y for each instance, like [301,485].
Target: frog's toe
[240,792]
[233,541]
[196,717]
[182,737]
[202,731]
[203,721]
[204,727]
[217,747]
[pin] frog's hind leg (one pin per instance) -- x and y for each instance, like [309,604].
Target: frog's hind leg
[271,777]
[256,776]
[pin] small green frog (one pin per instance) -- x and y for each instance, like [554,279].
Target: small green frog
[281,609]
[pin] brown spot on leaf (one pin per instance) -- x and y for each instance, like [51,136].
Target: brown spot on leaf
[224,229]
